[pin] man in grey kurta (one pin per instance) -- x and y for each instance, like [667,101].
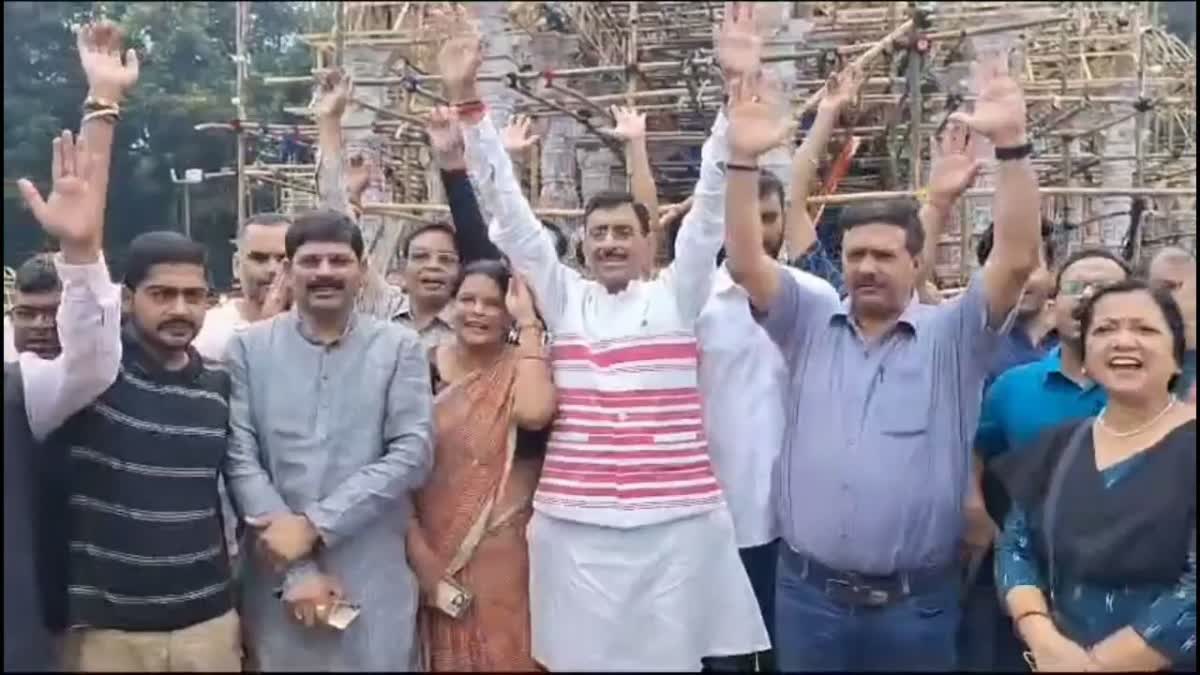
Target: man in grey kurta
[338,432]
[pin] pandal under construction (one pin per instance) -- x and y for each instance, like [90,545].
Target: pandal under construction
[1111,98]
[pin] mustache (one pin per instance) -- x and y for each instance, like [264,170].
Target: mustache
[325,283]
[611,252]
[177,323]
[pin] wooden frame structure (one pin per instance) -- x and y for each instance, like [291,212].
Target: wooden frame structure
[1111,95]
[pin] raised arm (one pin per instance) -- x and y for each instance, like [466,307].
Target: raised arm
[630,129]
[536,399]
[470,231]
[1000,116]
[375,489]
[515,229]
[757,123]
[89,317]
[840,90]
[333,93]
[953,171]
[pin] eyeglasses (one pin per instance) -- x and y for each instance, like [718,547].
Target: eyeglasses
[28,316]
[1076,289]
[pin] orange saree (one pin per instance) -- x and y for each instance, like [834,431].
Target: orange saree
[474,442]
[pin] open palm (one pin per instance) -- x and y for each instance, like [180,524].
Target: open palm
[739,47]
[999,112]
[516,137]
[758,120]
[100,55]
[461,53]
[954,166]
[630,124]
[69,213]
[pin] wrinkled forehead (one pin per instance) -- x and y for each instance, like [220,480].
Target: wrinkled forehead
[618,216]
[880,237]
[433,241]
[1093,270]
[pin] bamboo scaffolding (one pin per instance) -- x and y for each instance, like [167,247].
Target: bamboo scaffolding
[657,57]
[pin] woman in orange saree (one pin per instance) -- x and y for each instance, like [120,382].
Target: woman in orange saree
[467,541]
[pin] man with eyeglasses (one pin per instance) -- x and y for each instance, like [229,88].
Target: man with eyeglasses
[31,322]
[1027,400]
[431,264]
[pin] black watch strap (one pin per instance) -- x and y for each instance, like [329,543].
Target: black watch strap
[1015,152]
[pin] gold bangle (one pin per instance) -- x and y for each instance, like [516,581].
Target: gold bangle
[97,102]
[110,114]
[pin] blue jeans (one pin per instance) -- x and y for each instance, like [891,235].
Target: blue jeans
[816,633]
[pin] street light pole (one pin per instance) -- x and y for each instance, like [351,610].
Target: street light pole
[190,177]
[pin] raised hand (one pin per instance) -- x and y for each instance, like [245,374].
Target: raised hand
[445,139]
[841,88]
[630,124]
[758,118]
[69,214]
[461,53]
[668,214]
[516,137]
[278,298]
[100,54]
[954,166]
[358,176]
[999,112]
[738,45]
[334,89]
[519,301]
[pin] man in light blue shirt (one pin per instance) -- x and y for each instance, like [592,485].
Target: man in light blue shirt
[882,398]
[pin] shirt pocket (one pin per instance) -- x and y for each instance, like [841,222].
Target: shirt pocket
[904,400]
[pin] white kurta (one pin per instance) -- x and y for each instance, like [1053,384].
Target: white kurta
[634,564]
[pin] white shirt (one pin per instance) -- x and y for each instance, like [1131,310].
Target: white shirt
[220,323]
[89,329]
[743,382]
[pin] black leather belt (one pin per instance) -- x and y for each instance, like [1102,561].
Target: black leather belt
[865,590]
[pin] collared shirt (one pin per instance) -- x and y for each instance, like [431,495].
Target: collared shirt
[1016,349]
[742,382]
[1029,399]
[877,450]
[339,432]
[436,331]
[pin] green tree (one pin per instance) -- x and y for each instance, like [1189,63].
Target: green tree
[186,49]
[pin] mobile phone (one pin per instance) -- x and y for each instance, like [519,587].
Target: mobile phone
[342,615]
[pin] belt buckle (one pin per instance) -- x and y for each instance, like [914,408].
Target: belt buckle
[876,597]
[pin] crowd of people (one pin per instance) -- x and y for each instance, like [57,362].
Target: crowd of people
[751,459]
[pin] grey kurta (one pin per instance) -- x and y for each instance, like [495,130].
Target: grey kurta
[340,433]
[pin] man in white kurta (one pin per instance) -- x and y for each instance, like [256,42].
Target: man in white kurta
[633,561]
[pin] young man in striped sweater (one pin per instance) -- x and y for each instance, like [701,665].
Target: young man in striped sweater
[633,561]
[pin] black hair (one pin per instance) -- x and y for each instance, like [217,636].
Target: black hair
[38,275]
[983,248]
[269,219]
[1166,304]
[495,270]
[323,226]
[769,184]
[161,248]
[560,238]
[612,199]
[428,227]
[901,213]
[1084,254]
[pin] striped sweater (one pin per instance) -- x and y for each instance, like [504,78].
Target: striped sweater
[145,537]
[628,448]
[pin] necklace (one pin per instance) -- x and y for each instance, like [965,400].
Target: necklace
[1125,434]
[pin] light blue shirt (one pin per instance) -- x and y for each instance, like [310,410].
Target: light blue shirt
[877,451]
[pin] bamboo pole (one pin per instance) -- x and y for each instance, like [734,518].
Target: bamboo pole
[240,93]
[862,62]
[1139,145]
